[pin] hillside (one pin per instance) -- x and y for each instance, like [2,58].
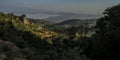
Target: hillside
[23,24]
[41,22]
[62,27]
[21,39]
[78,23]
[75,22]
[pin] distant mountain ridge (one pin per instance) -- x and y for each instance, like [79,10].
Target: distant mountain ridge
[63,26]
[68,16]
[69,22]
[77,21]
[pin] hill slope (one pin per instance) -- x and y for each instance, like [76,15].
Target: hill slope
[77,22]
[21,39]
[72,23]
[41,22]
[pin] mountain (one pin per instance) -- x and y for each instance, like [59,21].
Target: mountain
[21,39]
[62,27]
[67,16]
[62,18]
[75,22]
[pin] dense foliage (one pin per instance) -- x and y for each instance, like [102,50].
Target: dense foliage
[106,41]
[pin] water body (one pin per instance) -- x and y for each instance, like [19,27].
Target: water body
[38,16]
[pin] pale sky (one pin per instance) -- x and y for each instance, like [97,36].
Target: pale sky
[53,6]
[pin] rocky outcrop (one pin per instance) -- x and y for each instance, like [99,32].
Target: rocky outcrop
[25,21]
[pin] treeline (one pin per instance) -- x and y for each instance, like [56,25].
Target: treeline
[107,38]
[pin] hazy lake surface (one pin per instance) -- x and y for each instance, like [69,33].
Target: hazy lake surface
[38,16]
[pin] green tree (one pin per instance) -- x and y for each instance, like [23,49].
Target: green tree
[72,32]
[108,35]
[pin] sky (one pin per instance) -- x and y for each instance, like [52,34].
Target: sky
[93,7]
